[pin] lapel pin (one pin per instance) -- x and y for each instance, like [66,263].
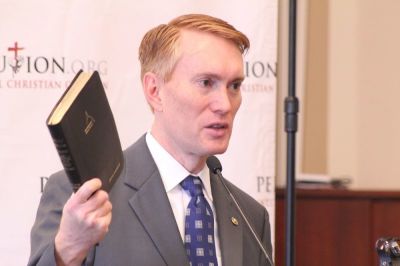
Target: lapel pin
[234,221]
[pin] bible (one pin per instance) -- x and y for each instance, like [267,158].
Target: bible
[84,132]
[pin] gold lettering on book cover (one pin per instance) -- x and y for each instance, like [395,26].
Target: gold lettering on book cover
[89,122]
[110,179]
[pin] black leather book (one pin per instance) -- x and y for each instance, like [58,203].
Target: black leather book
[85,134]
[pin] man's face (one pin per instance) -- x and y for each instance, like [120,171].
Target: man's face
[201,98]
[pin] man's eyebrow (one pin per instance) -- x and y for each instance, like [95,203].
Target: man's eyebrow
[207,74]
[240,78]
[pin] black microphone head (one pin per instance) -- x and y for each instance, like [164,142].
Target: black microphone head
[214,164]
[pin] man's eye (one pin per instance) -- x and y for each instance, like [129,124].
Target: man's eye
[236,85]
[206,82]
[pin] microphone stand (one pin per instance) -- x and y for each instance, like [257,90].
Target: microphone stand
[291,110]
[215,167]
[218,172]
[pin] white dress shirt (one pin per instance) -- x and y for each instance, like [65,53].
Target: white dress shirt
[172,174]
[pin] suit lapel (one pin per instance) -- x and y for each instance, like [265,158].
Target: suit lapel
[151,205]
[230,235]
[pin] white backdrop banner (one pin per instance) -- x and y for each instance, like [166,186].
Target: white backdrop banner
[44,43]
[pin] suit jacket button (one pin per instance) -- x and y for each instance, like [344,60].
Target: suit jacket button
[234,221]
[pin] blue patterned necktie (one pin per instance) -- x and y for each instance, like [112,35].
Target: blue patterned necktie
[199,226]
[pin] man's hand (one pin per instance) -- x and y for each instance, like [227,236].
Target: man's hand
[84,222]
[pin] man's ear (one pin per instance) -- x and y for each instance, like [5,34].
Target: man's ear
[151,89]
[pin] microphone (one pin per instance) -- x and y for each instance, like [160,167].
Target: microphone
[215,166]
[388,251]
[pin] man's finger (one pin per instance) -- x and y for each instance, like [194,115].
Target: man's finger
[104,209]
[96,201]
[87,190]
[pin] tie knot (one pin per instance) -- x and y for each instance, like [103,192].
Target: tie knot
[193,185]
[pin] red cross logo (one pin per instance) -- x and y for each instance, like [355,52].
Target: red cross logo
[15,49]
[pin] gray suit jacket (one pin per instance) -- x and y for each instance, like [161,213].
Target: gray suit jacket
[143,230]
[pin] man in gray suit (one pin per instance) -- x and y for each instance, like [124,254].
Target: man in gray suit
[191,70]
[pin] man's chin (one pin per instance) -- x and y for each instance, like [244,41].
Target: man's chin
[215,147]
[217,150]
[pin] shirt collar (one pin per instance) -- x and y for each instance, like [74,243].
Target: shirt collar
[171,171]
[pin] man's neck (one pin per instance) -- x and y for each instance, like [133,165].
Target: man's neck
[192,163]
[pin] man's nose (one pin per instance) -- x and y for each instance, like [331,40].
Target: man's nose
[221,100]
